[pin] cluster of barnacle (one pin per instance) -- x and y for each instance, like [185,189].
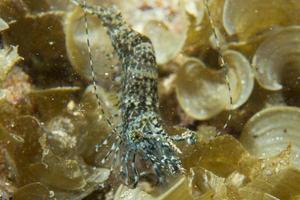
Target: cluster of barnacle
[50,124]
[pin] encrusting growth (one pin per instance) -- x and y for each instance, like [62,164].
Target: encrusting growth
[141,137]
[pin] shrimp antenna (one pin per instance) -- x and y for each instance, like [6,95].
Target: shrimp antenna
[221,57]
[91,64]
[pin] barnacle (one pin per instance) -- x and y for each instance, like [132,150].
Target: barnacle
[241,79]
[249,18]
[271,130]
[77,48]
[167,43]
[282,52]
[200,90]
[203,92]
[51,121]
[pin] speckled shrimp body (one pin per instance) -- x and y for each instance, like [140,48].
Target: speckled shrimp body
[142,137]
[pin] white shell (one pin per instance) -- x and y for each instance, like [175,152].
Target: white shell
[241,78]
[278,53]
[252,17]
[271,130]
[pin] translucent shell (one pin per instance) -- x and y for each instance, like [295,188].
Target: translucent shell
[166,42]
[272,130]
[249,18]
[241,78]
[77,49]
[279,53]
[203,92]
[200,90]
[200,29]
